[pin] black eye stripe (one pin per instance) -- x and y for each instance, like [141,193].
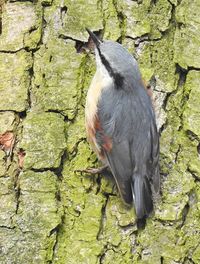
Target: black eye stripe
[118,78]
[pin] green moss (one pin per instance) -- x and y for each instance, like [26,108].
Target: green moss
[186,42]
[7,121]
[145,62]
[42,213]
[38,213]
[175,195]
[74,23]
[196,255]
[8,206]
[84,221]
[76,131]
[83,213]
[56,82]
[129,44]
[156,58]
[162,62]
[147,18]
[38,182]
[31,245]
[2,163]
[160,240]
[14,87]
[27,17]
[124,215]
[137,22]
[192,111]
[114,255]
[43,140]
[111,21]
[160,16]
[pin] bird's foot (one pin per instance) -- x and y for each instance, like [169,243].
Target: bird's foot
[94,170]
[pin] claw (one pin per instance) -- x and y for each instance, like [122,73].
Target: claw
[93,170]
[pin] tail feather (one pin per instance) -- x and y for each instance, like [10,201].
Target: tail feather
[142,196]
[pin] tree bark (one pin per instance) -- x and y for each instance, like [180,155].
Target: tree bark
[51,214]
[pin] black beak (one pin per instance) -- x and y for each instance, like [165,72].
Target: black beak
[95,39]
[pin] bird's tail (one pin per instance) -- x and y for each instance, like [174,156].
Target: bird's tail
[142,196]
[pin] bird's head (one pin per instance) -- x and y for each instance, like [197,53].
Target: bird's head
[118,62]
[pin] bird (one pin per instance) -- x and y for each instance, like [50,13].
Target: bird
[121,125]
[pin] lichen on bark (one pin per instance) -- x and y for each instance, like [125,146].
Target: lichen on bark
[49,212]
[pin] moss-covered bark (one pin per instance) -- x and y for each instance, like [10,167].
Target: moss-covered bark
[48,212]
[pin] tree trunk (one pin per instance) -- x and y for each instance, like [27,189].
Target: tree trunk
[51,214]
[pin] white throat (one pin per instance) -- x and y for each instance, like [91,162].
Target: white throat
[100,81]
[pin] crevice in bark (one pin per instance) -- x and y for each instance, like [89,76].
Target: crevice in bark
[56,230]
[192,136]
[188,260]
[79,45]
[7,227]
[74,151]
[58,171]
[46,3]
[184,214]
[103,218]
[180,85]
[181,81]
[177,153]
[17,191]
[194,175]
[56,111]
[193,69]
[11,51]
[22,115]
[103,254]
[140,40]
[182,75]
[63,12]
[31,74]
[98,181]
[1,7]
[22,1]
[109,247]
[198,149]
[172,20]
[167,97]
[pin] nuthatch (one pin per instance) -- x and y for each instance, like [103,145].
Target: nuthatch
[121,126]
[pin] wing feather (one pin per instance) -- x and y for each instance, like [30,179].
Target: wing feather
[127,118]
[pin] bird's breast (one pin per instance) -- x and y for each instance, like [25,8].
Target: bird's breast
[100,81]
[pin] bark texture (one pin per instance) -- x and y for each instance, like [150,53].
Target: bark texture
[49,213]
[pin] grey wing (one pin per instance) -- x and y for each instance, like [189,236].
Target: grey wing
[131,126]
[119,160]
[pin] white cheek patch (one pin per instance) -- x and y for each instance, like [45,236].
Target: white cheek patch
[104,77]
